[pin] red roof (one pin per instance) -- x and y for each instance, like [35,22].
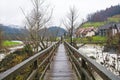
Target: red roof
[84,30]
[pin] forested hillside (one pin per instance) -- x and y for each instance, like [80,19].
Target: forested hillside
[57,31]
[11,33]
[102,15]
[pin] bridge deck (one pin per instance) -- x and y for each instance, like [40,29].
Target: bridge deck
[60,68]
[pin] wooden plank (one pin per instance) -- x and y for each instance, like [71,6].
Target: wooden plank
[61,68]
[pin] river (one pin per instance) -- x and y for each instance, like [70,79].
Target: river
[11,50]
[109,57]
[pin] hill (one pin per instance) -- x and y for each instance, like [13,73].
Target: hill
[10,32]
[102,15]
[56,31]
[115,18]
[92,24]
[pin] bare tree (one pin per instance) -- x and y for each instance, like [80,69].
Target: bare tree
[36,20]
[71,22]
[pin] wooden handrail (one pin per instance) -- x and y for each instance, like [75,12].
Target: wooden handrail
[48,53]
[83,63]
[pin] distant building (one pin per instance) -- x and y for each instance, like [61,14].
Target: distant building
[85,32]
[102,31]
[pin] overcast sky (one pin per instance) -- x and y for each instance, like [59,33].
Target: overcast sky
[10,12]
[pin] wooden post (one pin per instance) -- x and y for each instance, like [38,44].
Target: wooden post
[82,74]
[50,57]
[35,66]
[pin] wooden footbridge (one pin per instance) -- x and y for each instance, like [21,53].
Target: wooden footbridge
[58,62]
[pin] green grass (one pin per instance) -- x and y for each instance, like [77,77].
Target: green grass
[93,39]
[93,24]
[10,43]
[115,18]
[99,38]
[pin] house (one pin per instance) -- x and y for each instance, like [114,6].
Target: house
[103,30]
[85,32]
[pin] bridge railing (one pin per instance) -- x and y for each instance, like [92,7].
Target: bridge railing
[87,68]
[33,68]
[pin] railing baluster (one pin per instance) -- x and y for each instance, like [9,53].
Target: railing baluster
[35,64]
[83,66]
[35,67]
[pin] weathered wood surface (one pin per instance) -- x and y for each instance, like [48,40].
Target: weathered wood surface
[60,68]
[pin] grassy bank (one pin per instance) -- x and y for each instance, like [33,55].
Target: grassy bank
[93,24]
[94,39]
[10,43]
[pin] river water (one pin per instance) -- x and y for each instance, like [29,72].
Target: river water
[96,52]
[11,50]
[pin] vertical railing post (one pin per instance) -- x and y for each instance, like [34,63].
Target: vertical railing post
[35,66]
[82,74]
[50,57]
[48,61]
